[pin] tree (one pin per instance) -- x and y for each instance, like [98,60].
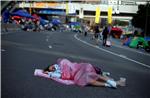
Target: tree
[142,18]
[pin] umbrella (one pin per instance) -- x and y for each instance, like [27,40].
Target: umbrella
[36,17]
[116,32]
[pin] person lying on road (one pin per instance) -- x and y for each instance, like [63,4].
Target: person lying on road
[81,73]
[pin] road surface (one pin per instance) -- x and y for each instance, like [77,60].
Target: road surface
[22,52]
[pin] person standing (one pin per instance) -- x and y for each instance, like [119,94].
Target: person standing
[105,35]
[86,28]
[96,32]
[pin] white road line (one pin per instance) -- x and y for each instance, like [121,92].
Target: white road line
[123,56]
[119,55]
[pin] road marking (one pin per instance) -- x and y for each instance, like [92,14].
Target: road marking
[123,56]
[119,55]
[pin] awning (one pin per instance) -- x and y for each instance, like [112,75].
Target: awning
[54,12]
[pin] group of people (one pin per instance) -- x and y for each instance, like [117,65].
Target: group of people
[82,74]
[105,34]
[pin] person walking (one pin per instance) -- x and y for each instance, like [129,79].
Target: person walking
[105,35]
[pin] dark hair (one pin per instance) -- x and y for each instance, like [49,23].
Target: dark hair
[105,29]
[47,68]
[98,70]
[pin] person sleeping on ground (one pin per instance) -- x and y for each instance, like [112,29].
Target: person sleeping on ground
[82,74]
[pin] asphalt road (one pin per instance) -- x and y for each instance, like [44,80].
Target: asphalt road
[22,52]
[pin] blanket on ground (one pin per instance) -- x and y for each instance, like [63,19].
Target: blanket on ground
[39,72]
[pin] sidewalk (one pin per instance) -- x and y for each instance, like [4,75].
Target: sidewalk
[115,43]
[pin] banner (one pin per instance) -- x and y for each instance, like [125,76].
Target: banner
[109,15]
[52,5]
[67,8]
[97,16]
[40,5]
[81,13]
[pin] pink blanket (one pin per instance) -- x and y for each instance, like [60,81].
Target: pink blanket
[39,72]
[81,73]
[73,73]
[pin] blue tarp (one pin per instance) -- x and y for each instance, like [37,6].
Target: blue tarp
[127,43]
[147,38]
[22,13]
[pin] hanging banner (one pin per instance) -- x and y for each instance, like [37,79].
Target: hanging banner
[67,8]
[30,9]
[71,8]
[109,15]
[97,16]
[81,13]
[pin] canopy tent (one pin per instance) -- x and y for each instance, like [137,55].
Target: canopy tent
[36,17]
[116,32]
[22,13]
[56,21]
[136,40]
